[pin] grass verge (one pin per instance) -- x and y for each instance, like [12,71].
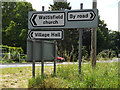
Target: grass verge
[12,61]
[105,75]
[18,77]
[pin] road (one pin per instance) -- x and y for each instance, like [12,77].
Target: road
[30,64]
[49,63]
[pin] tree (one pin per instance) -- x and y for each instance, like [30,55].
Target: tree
[103,41]
[107,39]
[60,5]
[69,45]
[15,23]
[115,41]
[15,28]
[102,37]
[71,36]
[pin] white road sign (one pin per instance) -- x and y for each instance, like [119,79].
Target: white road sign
[47,19]
[81,16]
[86,18]
[54,34]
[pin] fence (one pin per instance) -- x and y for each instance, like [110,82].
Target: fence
[10,56]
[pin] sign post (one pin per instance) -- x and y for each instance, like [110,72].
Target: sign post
[52,21]
[33,63]
[42,59]
[55,50]
[38,50]
[80,44]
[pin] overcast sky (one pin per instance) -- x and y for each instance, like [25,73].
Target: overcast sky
[108,9]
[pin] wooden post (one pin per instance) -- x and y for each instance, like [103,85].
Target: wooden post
[93,40]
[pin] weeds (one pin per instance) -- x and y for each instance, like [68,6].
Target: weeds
[105,75]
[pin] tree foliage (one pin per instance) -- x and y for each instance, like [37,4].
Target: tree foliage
[15,28]
[15,23]
[60,5]
[71,39]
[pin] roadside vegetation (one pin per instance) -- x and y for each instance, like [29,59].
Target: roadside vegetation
[12,55]
[15,32]
[12,61]
[105,75]
[18,77]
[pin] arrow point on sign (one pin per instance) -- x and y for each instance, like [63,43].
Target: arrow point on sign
[31,34]
[33,19]
[92,15]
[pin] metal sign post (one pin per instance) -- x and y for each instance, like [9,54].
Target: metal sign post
[55,20]
[55,50]
[33,63]
[80,44]
[39,50]
[42,59]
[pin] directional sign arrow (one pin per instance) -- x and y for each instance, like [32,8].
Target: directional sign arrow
[30,34]
[47,34]
[48,19]
[33,19]
[81,16]
[92,15]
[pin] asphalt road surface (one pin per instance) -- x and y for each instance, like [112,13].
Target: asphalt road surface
[49,63]
[30,64]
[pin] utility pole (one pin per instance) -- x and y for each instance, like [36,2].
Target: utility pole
[93,39]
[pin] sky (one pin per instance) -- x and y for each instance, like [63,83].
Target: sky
[108,9]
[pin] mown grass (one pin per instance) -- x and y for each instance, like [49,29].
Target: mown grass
[105,75]
[18,77]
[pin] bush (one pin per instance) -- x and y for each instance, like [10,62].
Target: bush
[36,82]
[15,55]
[106,54]
[14,52]
[73,54]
